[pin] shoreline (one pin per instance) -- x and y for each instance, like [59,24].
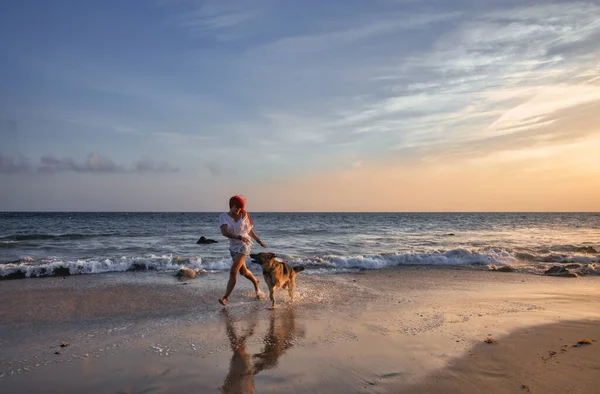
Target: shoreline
[576,267]
[375,331]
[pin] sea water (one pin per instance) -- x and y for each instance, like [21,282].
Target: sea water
[36,244]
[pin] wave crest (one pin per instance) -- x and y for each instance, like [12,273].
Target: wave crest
[498,257]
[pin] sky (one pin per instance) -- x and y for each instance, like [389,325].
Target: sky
[382,105]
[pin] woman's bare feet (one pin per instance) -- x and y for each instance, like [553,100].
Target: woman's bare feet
[258,292]
[223,301]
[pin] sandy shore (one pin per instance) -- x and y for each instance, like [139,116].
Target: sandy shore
[415,329]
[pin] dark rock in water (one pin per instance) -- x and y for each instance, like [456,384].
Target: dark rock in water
[204,240]
[506,268]
[590,269]
[587,249]
[451,234]
[61,271]
[558,270]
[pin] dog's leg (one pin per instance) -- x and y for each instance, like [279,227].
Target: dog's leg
[272,297]
[290,287]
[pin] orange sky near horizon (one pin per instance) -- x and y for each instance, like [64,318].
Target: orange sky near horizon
[555,168]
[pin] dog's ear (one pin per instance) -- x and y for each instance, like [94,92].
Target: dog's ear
[272,255]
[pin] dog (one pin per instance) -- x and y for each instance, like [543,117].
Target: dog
[277,274]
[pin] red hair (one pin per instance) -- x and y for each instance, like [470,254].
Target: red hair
[240,202]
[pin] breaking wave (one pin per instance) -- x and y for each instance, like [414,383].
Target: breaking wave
[27,267]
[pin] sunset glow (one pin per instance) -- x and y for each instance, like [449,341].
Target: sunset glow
[300,106]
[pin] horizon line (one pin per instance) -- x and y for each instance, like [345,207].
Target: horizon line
[254,212]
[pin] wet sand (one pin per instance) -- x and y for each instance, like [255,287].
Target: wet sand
[414,329]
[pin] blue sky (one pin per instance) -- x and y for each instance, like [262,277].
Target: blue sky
[174,105]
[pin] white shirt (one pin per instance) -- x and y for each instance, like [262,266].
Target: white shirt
[241,227]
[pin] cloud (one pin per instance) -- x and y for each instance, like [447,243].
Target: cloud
[366,86]
[357,31]
[538,137]
[361,83]
[93,163]
[479,79]
[12,165]
[212,17]
[148,165]
[545,102]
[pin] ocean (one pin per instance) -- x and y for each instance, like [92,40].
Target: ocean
[53,243]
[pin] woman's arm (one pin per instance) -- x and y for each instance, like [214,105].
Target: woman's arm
[253,235]
[226,233]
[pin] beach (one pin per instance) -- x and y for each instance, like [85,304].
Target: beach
[409,329]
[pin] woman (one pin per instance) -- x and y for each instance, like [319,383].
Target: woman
[237,226]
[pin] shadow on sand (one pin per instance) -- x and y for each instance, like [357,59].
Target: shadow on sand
[549,358]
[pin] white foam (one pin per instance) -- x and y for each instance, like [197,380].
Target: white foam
[332,264]
[219,265]
[570,258]
[97,266]
[377,261]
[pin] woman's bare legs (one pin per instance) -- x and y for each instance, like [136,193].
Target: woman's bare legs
[239,265]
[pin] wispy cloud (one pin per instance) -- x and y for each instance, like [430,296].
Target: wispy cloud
[212,17]
[149,165]
[350,91]
[356,32]
[94,163]
[538,136]
[534,113]
[13,165]
[306,88]
[478,77]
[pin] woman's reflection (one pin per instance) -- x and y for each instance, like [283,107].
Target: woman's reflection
[279,337]
[241,376]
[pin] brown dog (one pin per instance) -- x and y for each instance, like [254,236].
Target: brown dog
[277,274]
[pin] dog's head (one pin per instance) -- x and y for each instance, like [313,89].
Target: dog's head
[265,260]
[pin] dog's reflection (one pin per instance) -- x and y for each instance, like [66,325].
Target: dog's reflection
[279,337]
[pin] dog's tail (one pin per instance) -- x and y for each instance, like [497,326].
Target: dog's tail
[298,269]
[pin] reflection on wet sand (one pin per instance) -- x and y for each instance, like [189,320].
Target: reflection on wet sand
[240,378]
[277,340]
